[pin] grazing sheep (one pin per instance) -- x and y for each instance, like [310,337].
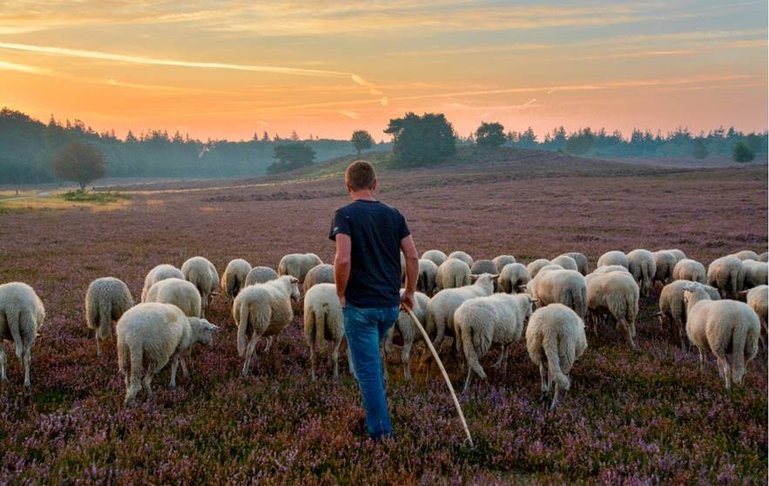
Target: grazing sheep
[642,268]
[408,330]
[613,258]
[755,273]
[758,300]
[234,277]
[323,273]
[513,278]
[160,272]
[687,269]
[566,287]
[501,260]
[614,294]
[728,328]
[150,334]
[21,316]
[555,339]
[323,321]
[764,257]
[673,307]
[436,256]
[297,265]
[483,321]
[263,310]
[747,255]
[452,273]
[664,263]
[727,274]
[106,300]
[440,309]
[260,274]
[534,267]
[566,262]
[181,293]
[483,266]
[460,255]
[581,259]
[678,254]
[204,276]
[610,268]
[426,278]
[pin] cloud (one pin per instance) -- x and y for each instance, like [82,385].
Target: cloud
[349,114]
[9,66]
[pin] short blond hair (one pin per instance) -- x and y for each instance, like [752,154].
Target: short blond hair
[360,175]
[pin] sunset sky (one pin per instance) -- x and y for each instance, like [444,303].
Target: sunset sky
[228,69]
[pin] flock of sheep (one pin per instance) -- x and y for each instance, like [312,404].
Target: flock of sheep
[479,304]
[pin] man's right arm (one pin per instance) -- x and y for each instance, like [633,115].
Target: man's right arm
[409,250]
[342,264]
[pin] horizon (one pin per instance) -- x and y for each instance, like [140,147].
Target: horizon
[226,71]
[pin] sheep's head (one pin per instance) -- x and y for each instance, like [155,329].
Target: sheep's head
[295,294]
[203,330]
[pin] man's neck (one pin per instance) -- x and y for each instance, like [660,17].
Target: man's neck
[363,195]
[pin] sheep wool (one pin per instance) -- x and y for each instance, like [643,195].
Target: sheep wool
[461,255]
[534,267]
[513,278]
[234,277]
[727,274]
[260,274]
[21,317]
[158,273]
[323,273]
[408,330]
[298,264]
[501,260]
[202,273]
[642,268]
[323,321]
[181,293]
[688,269]
[453,273]
[615,294]
[426,276]
[106,300]
[614,257]
[673,308]
[566,287]
[435,256]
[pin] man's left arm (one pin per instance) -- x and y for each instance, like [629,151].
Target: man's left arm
[342,264]
[409,250]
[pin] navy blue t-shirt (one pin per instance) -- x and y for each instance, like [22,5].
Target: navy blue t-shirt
[375,230]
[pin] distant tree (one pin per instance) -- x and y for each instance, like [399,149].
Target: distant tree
[421,140]
[265,136]
[527,139]
[294,136]
[698,148]
[579,143]
[490,135]
[79,162]
[742,152]
[362,140]
[294,155]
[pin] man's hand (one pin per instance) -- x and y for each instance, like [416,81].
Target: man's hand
[407,301]
[342,300]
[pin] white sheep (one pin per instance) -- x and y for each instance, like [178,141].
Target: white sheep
[202,273]
[298,264]
[688,269]
[642,268]
[21,316]
[181,293]
[614,294]
[501,260]
[263,310]
[260,274]
[756,273]
[513,278]
[673,308]
[727,274]
[436,256]
[158,273]
[555,339]
[483,321]
[150,334]
[426,276]
[581,259]
[610,268]
[758,300]
[452,273]
[566,287]
[664,263]
[534,267]
[566,262]
[323,273]
[483,266]
[461,255]
[323,321]
[614,257]
[408,330]
[234,277]
[764,257]
[728,328]
[106,300]
[680,255]
[747,255]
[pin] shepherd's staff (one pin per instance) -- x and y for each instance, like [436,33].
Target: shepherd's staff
[443,371]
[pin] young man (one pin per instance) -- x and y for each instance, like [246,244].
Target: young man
[369,237]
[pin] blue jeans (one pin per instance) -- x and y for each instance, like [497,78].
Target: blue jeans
[365,328]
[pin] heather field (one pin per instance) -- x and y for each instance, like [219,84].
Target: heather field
[643,418]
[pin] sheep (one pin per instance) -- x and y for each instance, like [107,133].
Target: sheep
[323,273]
[581,259]
[181,293]
[483,266]
[436,256]
[565,261]
[664,263]
[673,308]
[427,275]
[513,278]
[204,276]
[408,330]
[615,294]
[562,286]
[755,273]
[678,254]
[263,310]
[555,339]
[106,300]
[150,334]
[764,257]
[758,300]
[747,255]
[451,274]
[610,268]
[440,309]
[234,277]
[483,321]
[728,328]
[158,273]
[21,316]
[323,321]
[687,269]
[614,257]
[297,265]
[501,260]
[642,267]
[534,267]
[260,274]
[460,255]
[727,274]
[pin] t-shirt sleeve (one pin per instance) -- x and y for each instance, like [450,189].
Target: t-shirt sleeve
[339,224]
[403,228]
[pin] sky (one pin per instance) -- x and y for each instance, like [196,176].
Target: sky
[231,69]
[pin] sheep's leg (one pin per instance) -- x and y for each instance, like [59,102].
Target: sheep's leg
[98,347]
[335,359]
[312,362]
[405,358]
[468,380]
[133,377]
[249,353]
[501,358]
[174,365]
[628,334]
[702,359]
[147,382]
[268,344]
[27,360]
[555,396]
[183,363]
[544,384]
[3,375]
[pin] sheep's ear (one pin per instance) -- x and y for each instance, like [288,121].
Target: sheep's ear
[743,293]
[213,327]
[473,277]
[293,280]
